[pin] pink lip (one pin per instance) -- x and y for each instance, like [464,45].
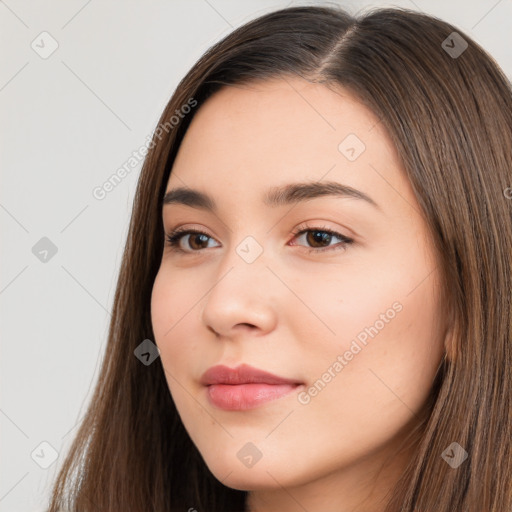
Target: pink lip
[244,387]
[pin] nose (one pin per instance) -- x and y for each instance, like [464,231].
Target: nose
[241,299]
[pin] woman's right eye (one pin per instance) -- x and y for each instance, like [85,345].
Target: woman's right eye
[197,239]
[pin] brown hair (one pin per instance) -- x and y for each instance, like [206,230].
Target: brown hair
[450,117]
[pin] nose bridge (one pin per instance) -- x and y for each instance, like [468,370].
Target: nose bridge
[244,264]
[240,293]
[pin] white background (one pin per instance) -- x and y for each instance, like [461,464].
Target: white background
[68,122]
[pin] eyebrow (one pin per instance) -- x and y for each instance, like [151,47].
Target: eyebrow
[291,193]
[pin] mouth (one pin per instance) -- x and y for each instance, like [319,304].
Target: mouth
[244,387]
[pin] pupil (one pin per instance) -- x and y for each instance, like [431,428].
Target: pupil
[319,237]
[196,237]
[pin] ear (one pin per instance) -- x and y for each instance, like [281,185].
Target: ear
[451,336]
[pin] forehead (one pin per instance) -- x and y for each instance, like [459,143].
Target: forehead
[248,138]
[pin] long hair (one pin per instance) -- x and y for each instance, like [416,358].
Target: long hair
[448,111]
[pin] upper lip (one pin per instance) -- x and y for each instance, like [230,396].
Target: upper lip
[242,374]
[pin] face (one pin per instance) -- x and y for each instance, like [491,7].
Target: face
[338,293]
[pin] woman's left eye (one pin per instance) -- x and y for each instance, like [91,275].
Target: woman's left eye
[319,238]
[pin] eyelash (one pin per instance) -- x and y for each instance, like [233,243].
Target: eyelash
[173,238]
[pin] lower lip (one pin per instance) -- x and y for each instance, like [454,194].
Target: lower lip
[246,396]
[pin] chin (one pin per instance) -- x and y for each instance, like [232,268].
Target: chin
[262,475]
[246,480]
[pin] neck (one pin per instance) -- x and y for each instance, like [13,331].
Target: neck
[362,487]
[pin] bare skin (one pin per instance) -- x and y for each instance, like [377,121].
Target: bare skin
[296,313]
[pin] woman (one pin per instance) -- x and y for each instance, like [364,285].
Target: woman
[320,250]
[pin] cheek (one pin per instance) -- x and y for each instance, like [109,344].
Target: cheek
[385,327]
[172,308]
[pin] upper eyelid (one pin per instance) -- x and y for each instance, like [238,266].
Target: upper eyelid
[296,231]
